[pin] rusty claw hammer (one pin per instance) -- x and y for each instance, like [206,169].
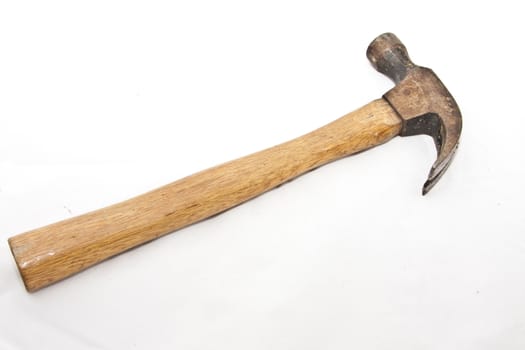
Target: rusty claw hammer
[418,104]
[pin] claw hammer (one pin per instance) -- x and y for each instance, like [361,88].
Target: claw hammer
[418,104]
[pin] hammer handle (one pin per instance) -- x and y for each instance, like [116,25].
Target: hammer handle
[52,253]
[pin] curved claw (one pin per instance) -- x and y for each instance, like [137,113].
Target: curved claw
[438,169]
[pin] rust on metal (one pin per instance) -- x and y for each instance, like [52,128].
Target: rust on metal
[421,100]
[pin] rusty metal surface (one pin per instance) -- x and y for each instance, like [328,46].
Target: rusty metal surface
[421,100]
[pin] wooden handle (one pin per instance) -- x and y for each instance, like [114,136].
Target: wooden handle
[51,253]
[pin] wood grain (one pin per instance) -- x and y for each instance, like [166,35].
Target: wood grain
[52,253]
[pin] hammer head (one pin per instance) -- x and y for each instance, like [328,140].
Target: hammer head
[421,100]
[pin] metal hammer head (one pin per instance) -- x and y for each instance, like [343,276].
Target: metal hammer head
[421,100]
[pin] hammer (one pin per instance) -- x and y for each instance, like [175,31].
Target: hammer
[418,104]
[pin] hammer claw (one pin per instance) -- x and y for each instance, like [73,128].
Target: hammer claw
[439,167]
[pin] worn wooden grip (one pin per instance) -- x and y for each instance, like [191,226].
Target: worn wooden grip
[51,253]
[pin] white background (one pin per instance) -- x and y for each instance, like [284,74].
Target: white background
[103,100]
